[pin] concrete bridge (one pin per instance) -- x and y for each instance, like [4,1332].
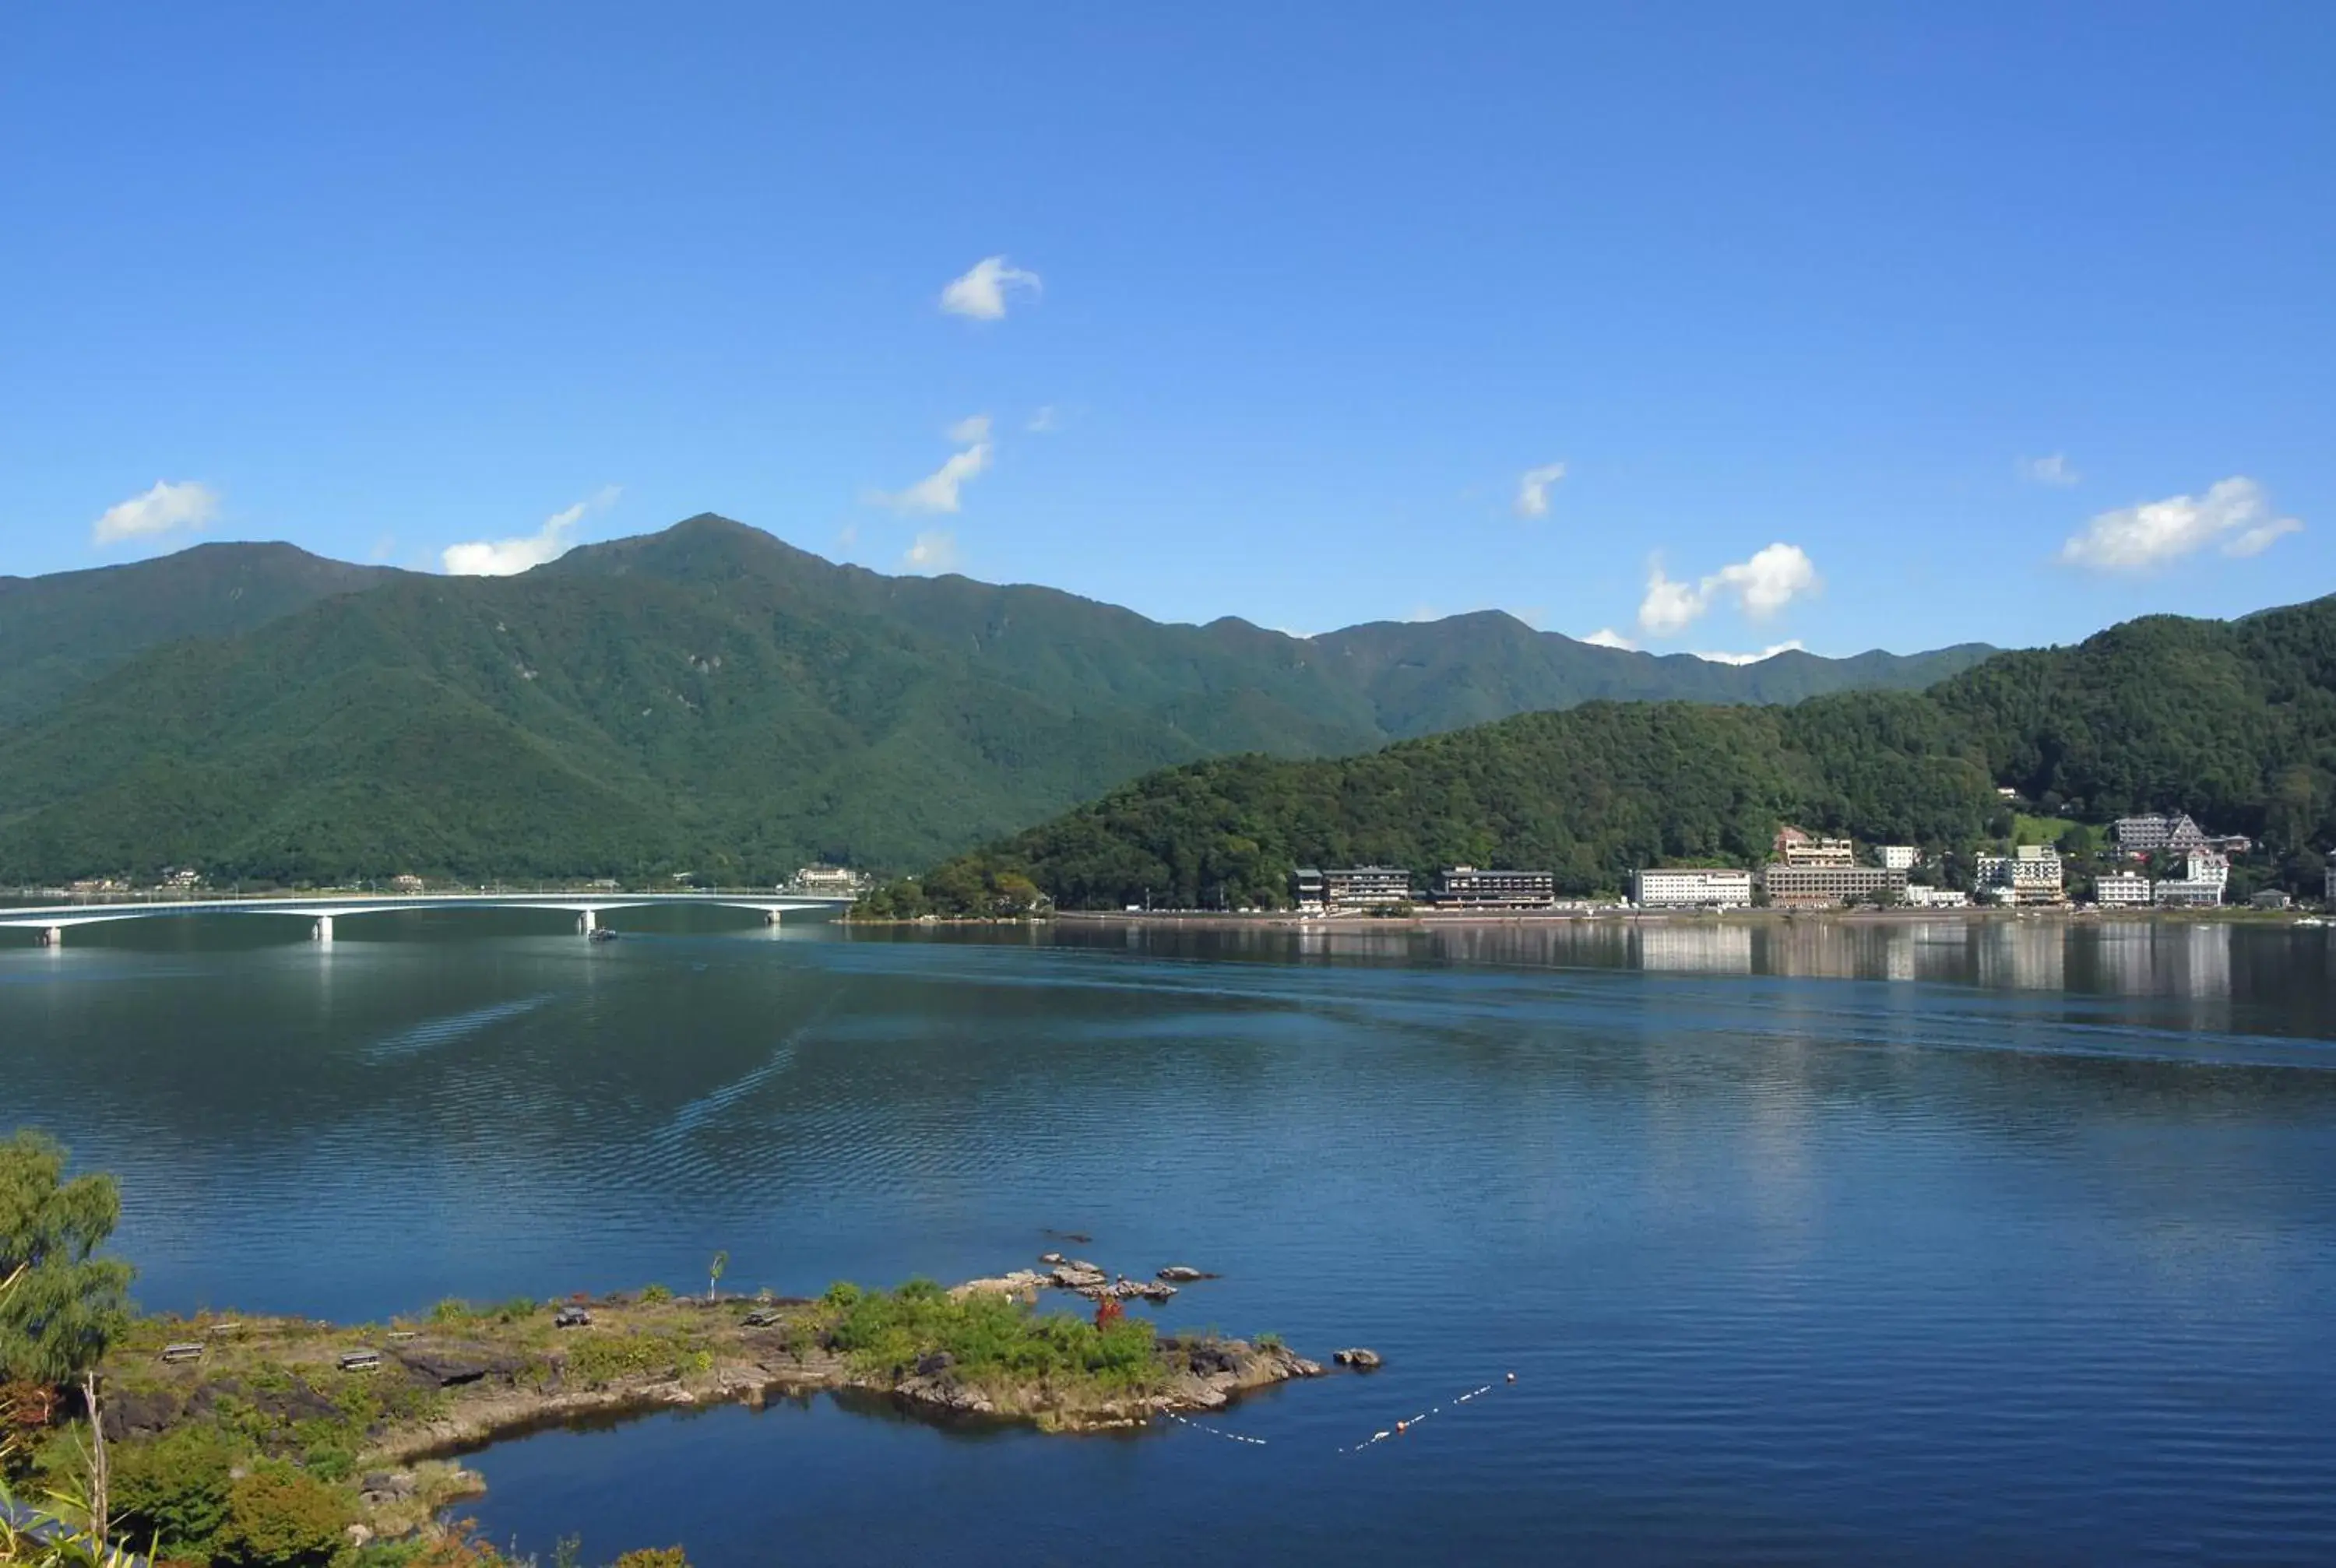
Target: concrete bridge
[53,920]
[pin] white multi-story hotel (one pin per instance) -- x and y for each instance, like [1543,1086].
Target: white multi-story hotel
[2030,875]
[2204,876]
[2146,835]
[1690,888]
[1921,897]
[1900,857]
[2121,890]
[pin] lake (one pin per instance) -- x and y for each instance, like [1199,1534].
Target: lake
[1816,1243]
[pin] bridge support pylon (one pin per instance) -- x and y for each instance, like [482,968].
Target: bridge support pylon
[770,917]
[53,936]
[321,931]
[584,923]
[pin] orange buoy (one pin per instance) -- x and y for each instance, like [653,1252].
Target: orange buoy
[1403,1425]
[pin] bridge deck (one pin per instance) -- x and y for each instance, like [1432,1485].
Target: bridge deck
[334,907]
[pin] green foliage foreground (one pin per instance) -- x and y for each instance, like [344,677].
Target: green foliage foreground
[60,1304]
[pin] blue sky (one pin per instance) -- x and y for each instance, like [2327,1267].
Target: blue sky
[1851,324]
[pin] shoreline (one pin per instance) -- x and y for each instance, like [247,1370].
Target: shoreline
[383,1411]
[1759,915]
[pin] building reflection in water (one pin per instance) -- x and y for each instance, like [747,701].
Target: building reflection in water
[2187,959]
[1718,949]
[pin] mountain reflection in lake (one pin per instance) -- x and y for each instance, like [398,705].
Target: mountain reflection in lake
[1820,1240]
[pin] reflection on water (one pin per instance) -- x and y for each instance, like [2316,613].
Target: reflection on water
[1918,1241]
[2210,965]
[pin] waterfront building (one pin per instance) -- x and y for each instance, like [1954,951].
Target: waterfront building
[2031,875]
[1901,857]
[2271,899]
[2204,876]
[1348,887]
[1920,897]
[1689,888]
[1468,888]
[2121,891]
[1829,885]
[2328,885]
[840,882]
[1305,889]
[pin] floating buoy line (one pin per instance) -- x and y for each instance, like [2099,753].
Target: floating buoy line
[1400,1428]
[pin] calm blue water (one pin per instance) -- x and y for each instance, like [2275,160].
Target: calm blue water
[1925,1243]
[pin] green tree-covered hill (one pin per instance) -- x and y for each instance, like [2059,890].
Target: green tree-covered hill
[2232,721]
[57,633]
[710,700]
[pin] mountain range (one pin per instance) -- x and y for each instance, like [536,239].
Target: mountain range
[2234,722]
[706,698]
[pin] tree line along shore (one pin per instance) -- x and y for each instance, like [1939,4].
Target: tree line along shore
[2232,723]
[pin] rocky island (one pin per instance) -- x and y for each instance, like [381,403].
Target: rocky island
[382,1411]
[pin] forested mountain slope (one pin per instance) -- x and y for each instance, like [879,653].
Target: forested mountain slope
[57,633]
[2232,721]
[710,700]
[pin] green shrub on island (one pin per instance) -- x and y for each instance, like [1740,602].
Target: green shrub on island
[653,1293]
[174,1489]
[986,1337]
[604,1359]
[453,1311]
[279,1517]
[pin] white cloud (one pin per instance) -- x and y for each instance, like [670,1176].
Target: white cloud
[1533,489]
[2053,470]
[934,552]
[2236,511]
[1669,605]
[982,292]
[1771,651]
[1607,636]
[1772,578]
[165,509]
[2259,538]
[938,490]
[1045,421]
[510,557]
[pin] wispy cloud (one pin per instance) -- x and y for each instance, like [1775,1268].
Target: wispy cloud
[940,489]
[1771,651]
[2234,513]
[1533,489]
[981,293]
[1045,420]
[931,553]
[2054,469]
[1607,636]
[1772,578]
[510,557]
[167,508]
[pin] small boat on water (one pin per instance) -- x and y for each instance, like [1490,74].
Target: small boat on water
[603,934]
